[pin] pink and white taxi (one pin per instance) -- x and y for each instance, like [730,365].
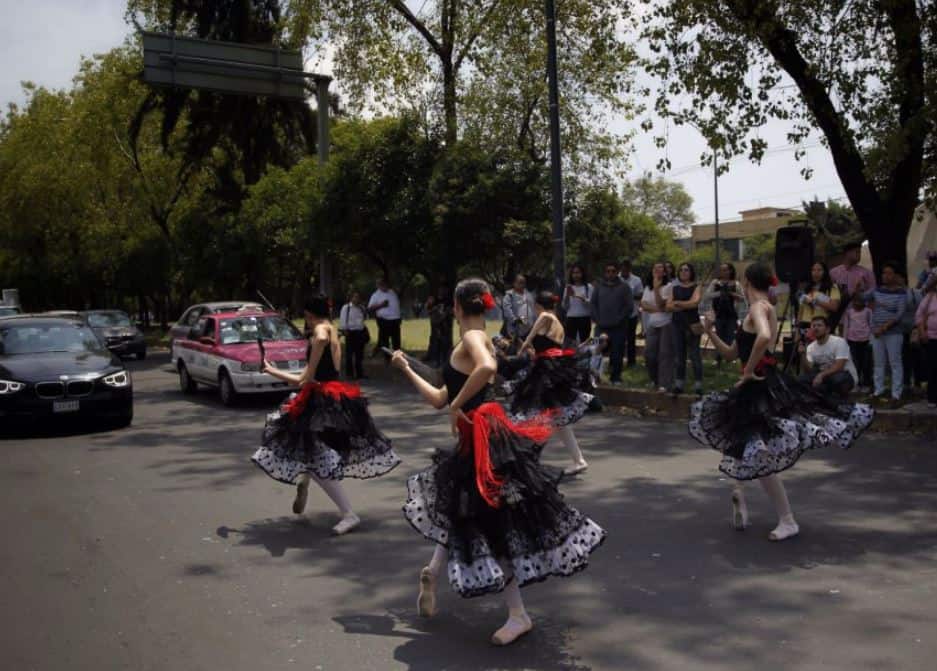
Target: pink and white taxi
[222,350]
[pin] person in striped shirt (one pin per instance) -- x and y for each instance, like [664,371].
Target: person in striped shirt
[888,302]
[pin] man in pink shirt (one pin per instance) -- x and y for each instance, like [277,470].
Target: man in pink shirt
[850,276]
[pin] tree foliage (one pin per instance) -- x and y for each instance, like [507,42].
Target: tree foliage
[861,72]
[664,201]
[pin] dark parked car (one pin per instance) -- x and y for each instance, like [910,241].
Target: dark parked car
[51,367]
[115,330]
[8,311]
[191,316]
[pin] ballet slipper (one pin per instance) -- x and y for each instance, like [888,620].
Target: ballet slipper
[739,511]
[785,529]
[346,524]
[426,601]
[516,626]
[575,469]
[302,494]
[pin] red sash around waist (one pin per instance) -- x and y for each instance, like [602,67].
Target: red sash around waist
[335,389]
[555,352]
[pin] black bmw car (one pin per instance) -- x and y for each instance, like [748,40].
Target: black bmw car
[114,329]
[54,367]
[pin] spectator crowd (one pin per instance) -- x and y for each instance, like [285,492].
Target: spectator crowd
[850,331]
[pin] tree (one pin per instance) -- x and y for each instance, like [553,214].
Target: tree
[666,202]
[862,73]
[602,228]
[476,55]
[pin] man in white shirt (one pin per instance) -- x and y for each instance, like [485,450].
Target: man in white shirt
[351,325]
[631,327]
[518,310]
[385,306]
[831,369]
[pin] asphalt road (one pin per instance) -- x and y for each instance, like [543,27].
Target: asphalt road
[162,547]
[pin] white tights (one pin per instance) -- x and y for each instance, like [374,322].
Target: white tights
[334,490]
[774,488]
[568,438]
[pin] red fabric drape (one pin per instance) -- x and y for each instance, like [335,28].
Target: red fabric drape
[555,352]
[476,436]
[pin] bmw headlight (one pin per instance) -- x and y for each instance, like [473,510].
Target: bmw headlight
[10,387]
[250,367]
[121,379]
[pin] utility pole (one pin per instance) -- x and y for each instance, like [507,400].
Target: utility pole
[716,200]
[559,231]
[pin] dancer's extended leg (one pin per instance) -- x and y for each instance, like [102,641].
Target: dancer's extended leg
[568,438]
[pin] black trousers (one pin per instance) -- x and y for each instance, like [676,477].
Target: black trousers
[930,361]
[354,353]
[861,353]
[838,384]
[631,335]
[388,333]
[579,328]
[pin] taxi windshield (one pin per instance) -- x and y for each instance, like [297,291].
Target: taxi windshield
[248,329]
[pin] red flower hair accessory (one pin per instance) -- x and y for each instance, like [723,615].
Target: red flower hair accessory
[488,300]
[774,280]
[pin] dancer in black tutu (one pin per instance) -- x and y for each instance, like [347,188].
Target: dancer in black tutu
[555,380]
[325,431]
[768,419]
[493,510]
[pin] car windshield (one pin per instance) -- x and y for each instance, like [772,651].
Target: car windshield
[36,339]
[6,312]
[248,329]
[105,319]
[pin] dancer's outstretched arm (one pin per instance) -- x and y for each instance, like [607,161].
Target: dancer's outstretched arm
[320,340]
[728,352]
[435,396]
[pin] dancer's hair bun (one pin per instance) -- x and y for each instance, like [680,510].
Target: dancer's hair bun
[470,295]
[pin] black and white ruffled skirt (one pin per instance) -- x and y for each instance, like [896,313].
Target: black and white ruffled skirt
[530,530]
[325,431]
[554,384]
[764,426]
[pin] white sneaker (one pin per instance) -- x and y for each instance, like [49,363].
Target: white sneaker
[784,530]
[513,629]
[739,511]
[346,524]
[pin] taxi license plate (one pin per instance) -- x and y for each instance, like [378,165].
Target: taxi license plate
[293,365]
[64,406]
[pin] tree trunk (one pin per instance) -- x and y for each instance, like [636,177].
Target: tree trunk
[450,110]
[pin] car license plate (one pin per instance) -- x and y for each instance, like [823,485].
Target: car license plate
[64,406]
[293,365]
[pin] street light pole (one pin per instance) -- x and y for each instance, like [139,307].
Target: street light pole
[559,233]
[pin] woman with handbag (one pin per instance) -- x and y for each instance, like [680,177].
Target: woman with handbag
[351,325]
[687,330]
[926,320]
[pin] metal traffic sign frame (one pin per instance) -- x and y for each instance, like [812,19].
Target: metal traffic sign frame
[233,68]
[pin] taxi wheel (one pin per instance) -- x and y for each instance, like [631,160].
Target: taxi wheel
[186,383]
[226,389]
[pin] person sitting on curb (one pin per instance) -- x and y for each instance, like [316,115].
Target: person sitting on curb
[829,364]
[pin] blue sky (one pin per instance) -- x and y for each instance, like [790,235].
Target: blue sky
[42,41]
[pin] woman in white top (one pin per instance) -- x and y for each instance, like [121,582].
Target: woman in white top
[658,329]
[577,305]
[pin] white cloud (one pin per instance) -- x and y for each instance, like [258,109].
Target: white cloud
[43,40]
